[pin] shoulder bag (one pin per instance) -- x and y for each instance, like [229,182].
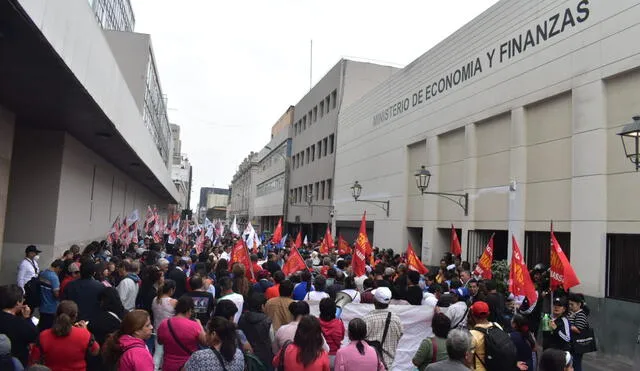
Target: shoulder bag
[379,345]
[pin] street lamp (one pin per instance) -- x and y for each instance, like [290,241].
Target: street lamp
[630,136]
[356,190]
[423,177]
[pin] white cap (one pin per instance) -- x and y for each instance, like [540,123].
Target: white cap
[382,295]
[451,267]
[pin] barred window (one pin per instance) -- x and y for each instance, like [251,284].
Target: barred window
[623,267]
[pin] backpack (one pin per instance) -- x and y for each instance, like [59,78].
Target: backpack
[32,292]
[253,363]
[500,352]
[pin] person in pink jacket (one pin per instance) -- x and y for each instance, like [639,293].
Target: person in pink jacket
[357,355]
[125,350]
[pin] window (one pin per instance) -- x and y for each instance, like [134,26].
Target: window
[292,194]
[295,129]
[310,116]
[317,190]
[537,248]
[310,194]
[322,185]
[302,158]
[324,145]
[315,113]
[304,124]
[331,143]
[306,190]
[321,109]
[304,121]
[329,189]
[623,263]
[319,149]
[334,96]
[313,153]
[326,103]
[308,155]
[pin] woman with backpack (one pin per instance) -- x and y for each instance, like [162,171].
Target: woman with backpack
[125,350]
[434,349]
[67,343]
[223,352]
[358,355]
[579,323]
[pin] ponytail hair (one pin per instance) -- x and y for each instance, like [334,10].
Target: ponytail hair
[66,315]
[357,332]
[226,332]
[166,287]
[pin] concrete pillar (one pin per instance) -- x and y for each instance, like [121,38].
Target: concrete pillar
[32,204]
[432,243]
[589,187]
[518,175]
[470,185]
[7,124]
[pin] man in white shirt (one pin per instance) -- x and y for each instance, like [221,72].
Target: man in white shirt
[226,288]
[458,311]
[430,301]
[28,267]
[225,253]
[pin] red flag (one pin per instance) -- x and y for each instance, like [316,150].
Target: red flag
[483,268]
[456,249]
[114,232]
[358,262]
[327,242]
[562,272]
[240,254]
[343,246]
[414,262]
[200,242]
[519,279]
[294,263]
[298,243]
[277,234]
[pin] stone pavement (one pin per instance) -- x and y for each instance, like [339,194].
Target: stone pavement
[592,362]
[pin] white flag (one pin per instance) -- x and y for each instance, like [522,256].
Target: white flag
[305,242]
[249,236]
[234,227]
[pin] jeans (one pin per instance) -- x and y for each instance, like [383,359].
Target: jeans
[577,362]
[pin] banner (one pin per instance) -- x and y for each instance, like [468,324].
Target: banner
[234,227]
[327,242]
[519,279]
[343,246]
[413,262]
[294,263]
[561,271]
[277,234]
[456,249]
[240,254]
[483,269]
[360,254]
[298,243]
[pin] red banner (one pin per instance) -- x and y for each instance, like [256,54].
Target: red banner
[240,254]
[413,262]
[298,243]
[277,234]
[360,254]
[562,273]
[327,242]
[343,246]
[519,279]
[483,269]
[456,249]
[294,263]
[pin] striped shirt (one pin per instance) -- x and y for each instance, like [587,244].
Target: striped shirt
[579,320]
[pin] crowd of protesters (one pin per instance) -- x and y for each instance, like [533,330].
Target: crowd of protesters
[154,306]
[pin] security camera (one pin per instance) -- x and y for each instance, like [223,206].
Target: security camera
[332,213]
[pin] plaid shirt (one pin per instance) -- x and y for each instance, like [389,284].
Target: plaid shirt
[375,321]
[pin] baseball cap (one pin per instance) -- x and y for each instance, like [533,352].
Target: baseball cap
[389,271]
[480,309]
[5,345]
[73,268]
[32,248]
[559,302]
[382,295]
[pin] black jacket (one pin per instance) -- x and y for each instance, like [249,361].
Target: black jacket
[102,325]
[181,281]
[256,328]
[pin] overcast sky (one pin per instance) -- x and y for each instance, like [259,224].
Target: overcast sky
[230,69]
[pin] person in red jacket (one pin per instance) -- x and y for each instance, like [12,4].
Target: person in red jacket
[332,327]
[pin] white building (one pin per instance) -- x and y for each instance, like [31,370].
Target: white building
[80,141]
[531,92]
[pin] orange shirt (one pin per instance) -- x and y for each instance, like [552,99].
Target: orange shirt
[272,292]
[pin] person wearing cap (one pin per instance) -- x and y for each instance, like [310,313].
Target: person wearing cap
[28,267]
[480,316]
[49,293]
[560,335]
[7,361]
[376,321]
[458,310]
[72,274]
[264,281]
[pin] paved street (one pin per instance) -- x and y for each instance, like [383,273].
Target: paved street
[593,362]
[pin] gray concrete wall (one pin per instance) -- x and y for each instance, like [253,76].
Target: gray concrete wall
[7,127]
[617,325]
[131,51]
[34,186]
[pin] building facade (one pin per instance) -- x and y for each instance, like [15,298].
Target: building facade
[314,138]
[181,170]
[213,203]
[520,109]
[271,176]
[243,190]
[75,150]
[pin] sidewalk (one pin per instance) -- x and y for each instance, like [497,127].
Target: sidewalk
[591,362]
